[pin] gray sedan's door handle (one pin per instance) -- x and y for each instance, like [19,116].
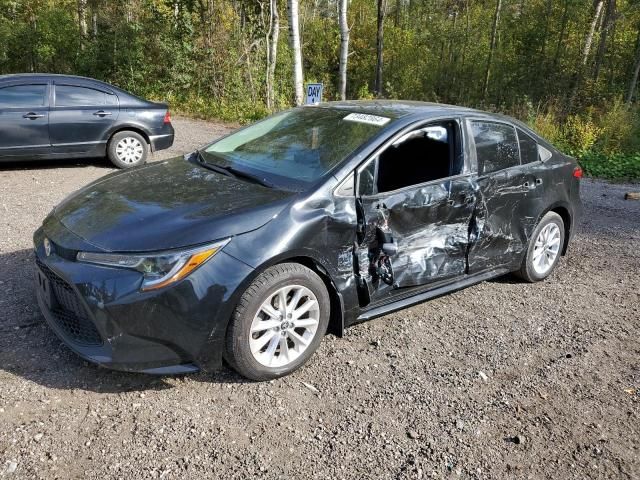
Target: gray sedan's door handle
[33,116]
[101,113]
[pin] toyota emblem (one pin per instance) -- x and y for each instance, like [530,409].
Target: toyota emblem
[47,246]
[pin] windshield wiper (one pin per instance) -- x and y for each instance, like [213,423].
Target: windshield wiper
[230,171]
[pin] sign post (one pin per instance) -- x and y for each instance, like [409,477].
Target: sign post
[314,93]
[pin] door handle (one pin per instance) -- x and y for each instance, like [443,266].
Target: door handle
[101,113]
[33,116]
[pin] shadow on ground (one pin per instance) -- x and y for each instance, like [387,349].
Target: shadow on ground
[56,163]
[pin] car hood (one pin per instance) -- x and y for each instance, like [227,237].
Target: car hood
[165,205]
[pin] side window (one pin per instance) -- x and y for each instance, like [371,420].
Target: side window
[428,153]
[544,153]
[23,96]
[367,179]
[528,148]
[496,146]
[69,96]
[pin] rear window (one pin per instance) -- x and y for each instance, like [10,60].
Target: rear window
[70,96]
[528,148]
[496,146]
[23,96]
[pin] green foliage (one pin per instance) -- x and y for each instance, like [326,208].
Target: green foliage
[208,59]
[617,166]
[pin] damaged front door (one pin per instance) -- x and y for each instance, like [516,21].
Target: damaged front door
[414,208]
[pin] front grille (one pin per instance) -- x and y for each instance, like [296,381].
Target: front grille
[68,313]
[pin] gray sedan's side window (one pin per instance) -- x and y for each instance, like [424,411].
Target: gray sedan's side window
[72,96]
[496,146]
[22,96]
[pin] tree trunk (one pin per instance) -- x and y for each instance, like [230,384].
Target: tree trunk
[272,52]
[563,29]
[465,46]
[592,31]
[82,18]
[294,41]
[492,48]
[344,48]
[607,26]
[635,74]
[380,47]
[94,23]
[588,41]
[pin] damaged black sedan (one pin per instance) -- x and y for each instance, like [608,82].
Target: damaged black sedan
[255,246]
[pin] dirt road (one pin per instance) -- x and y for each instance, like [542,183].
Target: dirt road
[502,380]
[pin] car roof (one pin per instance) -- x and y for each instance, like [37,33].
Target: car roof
[402,108]
[410,110]
[26,76]
[86,81]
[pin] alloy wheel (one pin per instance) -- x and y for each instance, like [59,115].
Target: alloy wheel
[546,248]
[284,326]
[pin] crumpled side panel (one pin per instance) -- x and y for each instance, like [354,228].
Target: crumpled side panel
[430,227]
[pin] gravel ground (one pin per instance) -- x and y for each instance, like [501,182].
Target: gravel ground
[501,380]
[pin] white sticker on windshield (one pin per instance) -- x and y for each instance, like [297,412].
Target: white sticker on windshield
[365,118]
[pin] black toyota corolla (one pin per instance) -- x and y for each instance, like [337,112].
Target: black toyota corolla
[255,246]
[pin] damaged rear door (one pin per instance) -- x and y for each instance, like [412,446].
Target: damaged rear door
[509,197]
[414,204]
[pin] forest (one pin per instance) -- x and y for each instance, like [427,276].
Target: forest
[569,68]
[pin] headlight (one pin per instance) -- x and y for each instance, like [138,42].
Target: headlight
[159,269]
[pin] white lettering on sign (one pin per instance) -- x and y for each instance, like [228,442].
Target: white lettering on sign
[366,118]
[314,93]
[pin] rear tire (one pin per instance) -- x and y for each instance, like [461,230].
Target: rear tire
[127,149]
[278,323]
[545,249]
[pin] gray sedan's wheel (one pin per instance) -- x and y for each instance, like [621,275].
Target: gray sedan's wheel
[128,149]
[278,323]
[545,249]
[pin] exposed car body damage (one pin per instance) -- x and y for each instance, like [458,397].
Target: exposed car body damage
[378,247]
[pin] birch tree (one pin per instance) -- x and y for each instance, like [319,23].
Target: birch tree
[294,42]
[586,49]
[82,18]
[272,51]
[492,48]
[636,72]
[382,5]
[344,48]
[607,26]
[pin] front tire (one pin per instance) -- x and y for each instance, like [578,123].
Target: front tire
[127,149]
[545,249]
[279,322]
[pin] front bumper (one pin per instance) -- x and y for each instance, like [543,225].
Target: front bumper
[101,314]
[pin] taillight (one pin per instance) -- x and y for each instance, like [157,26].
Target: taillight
[167,117]
[577,172]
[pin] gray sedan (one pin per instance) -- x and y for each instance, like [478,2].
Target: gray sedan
[54,116]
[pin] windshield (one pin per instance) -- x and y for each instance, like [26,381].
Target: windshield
[294,147]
